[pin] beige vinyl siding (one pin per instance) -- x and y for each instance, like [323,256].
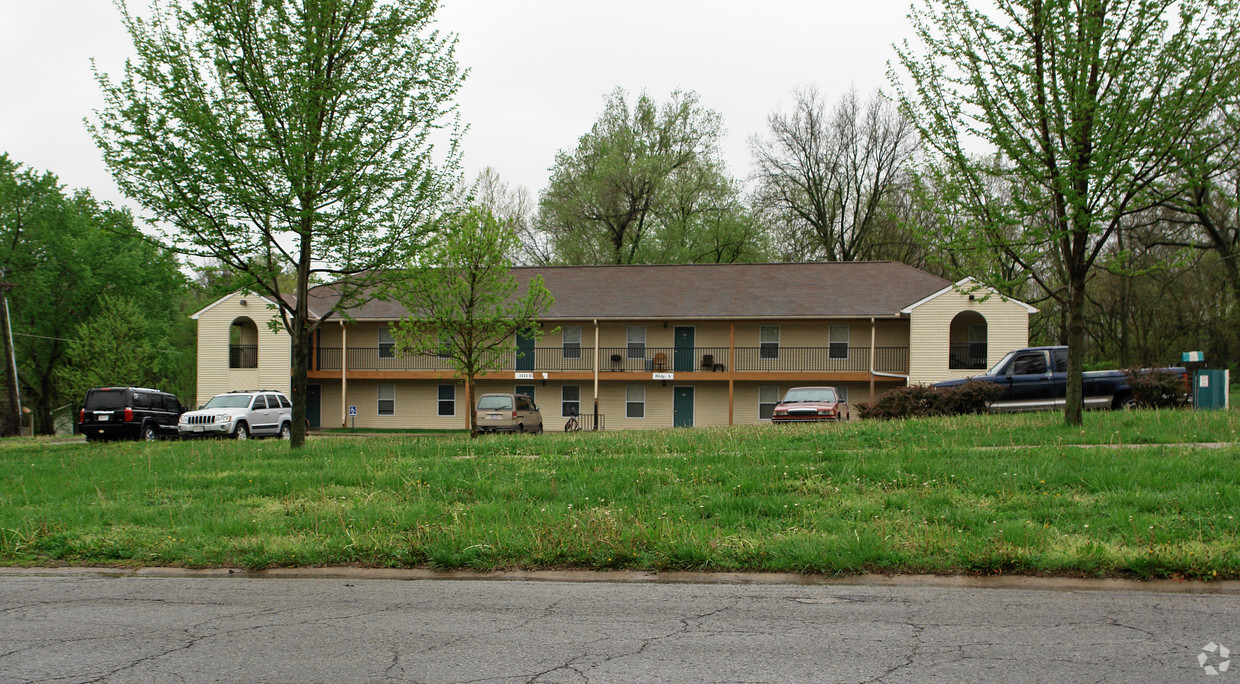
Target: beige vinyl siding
[1007,328]
[274,359]
[416,405]
[615,334]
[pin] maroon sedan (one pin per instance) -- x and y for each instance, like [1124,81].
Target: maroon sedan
[810,405]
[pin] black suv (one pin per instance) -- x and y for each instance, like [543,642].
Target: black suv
[129,413]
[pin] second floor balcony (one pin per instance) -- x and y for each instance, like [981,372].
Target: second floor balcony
[639,359]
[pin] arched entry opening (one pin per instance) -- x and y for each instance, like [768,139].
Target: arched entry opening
[243,344]
[967,342]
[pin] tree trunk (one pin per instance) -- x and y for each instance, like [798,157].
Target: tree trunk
[301,358]
[10,374]
[1074,397]
[469,404]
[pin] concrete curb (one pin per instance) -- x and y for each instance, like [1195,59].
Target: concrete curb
[644,577]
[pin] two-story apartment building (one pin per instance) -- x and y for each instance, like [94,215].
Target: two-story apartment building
[650,346]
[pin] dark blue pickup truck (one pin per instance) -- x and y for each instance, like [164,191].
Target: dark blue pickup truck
[1036,378]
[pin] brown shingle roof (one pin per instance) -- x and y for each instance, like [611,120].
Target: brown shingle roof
[697,291]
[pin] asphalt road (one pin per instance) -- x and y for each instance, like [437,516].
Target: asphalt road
[160,629]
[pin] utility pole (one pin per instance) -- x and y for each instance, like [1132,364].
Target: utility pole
[10,359]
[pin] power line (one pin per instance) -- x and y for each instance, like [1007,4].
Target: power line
[65,339]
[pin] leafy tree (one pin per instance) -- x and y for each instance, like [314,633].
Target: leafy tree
[639,184]
[25,199]
[463,302]
[825,180]
[282,136]
[1091,102]
[62,255]
[120,344]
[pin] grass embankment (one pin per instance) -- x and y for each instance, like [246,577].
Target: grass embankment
[979,494]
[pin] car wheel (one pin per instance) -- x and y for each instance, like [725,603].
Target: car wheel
[540,429]
[149,434]
[242,432]
[1126,402]
[286,431]
[520,428]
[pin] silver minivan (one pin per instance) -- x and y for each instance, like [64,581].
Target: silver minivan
[507,413]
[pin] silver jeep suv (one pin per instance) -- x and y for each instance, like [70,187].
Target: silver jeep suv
[240,415]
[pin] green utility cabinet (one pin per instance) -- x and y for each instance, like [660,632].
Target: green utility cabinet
[1210,388]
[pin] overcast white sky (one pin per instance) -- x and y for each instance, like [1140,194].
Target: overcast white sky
[540,70]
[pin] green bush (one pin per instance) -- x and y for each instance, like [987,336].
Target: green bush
[1159,388]
[923,401]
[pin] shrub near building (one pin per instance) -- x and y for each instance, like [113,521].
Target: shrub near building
[923,401]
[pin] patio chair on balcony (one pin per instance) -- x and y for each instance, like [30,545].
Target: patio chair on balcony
[708,363]
[659,362]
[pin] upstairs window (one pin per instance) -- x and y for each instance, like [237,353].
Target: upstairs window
[572,341]
[387,344]
[837,342]
[768,337]
[637,342]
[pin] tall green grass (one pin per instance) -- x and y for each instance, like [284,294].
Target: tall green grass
[976,494]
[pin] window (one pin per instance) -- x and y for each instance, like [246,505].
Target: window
[572,341]
[1061,360]
[387,399]
[284,401]
[387,344]
[769,337]
[635,401]
[842,393]
[1029,364]
[637,341]
[447,400]
[837,342]
[527,390]
[445,343]
[260,404]
[570,400]
[768,396]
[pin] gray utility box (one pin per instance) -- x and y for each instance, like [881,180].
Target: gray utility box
[1210,389]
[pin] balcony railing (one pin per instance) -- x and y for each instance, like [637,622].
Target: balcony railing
[636,358]
[967,356]
[243,356]
[822,359]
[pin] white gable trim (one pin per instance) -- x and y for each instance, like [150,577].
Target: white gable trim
[960,284]
[227,297]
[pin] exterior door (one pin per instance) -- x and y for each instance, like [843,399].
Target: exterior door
[525,352]
[527,390]
[313,395]
[682,407]
[683,360]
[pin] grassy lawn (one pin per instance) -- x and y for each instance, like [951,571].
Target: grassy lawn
[978,494]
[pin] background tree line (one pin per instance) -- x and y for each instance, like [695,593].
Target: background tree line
[1078,156]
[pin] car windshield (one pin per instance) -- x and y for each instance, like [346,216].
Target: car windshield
[997,369]
[105,399]
[497,402]
[802,394]
[229,401]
